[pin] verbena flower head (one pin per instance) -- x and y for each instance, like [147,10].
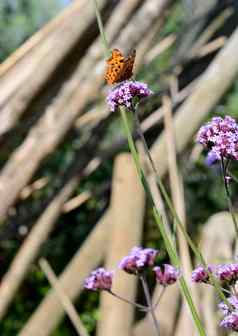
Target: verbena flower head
[167,274]
[227,273]
[100,279]
[230,322]
[138,260]
[200,274]
[230,313]
[224,273]
[220,137]
[233,301]
[124,93]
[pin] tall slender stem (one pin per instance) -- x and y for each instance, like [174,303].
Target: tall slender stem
[168,244]
[101,29]
[228,194]
[149,303]
[178,222]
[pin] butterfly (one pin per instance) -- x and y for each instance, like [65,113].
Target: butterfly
[119,68]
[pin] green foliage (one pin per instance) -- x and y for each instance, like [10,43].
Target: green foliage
[19,19]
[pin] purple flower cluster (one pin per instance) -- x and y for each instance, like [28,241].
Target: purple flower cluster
[220,137]
[227,273]
[230,322]
[233,301]
[230,313]
[200,274]
[100,279]
[138,260]
[224,273]
[166,275]
[124,93]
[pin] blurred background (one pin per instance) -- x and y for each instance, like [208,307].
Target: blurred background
[62,152]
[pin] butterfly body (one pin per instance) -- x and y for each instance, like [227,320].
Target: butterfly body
[119,68]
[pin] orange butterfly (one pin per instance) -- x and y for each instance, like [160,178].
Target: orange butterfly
[119,68]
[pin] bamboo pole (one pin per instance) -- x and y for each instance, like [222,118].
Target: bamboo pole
[209,89]
[185,322]
[127,209]
[65,301]
[217,239]
[45,224]
[29,250]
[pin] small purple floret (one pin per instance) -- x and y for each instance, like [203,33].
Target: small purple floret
[227,273]
[224,273]
[233,300]
[100,279]
[200,274]
[138,260]
[167,274]
[220,137]
[230,322]
[123,94]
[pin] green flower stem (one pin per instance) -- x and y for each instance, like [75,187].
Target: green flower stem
[168,244]
[228,194]
[178,222]
[137,305]
[105,43]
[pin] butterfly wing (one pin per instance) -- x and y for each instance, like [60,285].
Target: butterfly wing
[115,66]
[127,71]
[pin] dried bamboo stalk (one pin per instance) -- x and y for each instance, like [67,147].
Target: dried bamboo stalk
[51,128]
[127,209]
[28,251]
[65,301]
[71,280]
[209,89]
[185,321]
[31,246]
[215,25]
[216,243]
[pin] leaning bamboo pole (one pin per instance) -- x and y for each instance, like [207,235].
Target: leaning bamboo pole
[64,300]
[217,238]
[127,209]
[209,89]
[28,251]
[176,187]
[58,118]
[45,224]
[71,280]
